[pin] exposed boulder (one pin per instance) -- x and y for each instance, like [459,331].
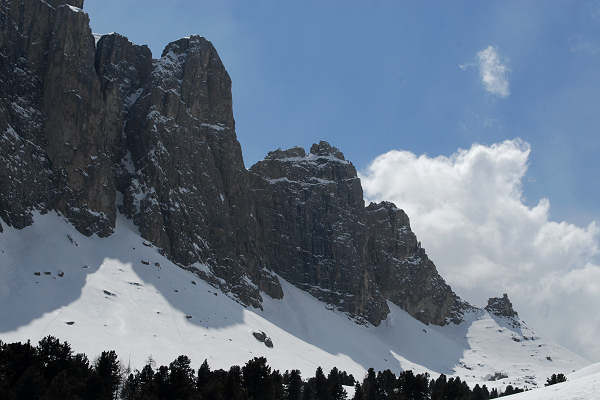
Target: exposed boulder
[263,338]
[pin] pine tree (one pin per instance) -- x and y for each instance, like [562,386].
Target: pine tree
[129,391]
[309,391]
[234,388]
[257,380]
[277,384]
[53,355]
[494,393]
[181,378]
[30,385]
[203,377]
[358,392]
[106,376]
[371,389]
[554,379]
[294,386]
[334,385]
[161,382]
[437,388]
[486,392]
[321,391]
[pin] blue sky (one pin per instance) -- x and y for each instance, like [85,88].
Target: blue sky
[374,76]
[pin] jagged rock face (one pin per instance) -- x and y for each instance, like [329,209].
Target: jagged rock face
[125,70]
[50,96]
[82,121]
[309,211]
[318,235]
[403,272]
[188,187]
[78,126]
[501,307]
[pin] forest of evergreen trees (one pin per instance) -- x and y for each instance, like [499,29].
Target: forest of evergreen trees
[51,371]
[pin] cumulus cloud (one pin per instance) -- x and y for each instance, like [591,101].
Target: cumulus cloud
[492,71]
[469,212]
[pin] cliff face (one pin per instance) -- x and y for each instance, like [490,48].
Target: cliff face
[318,234]
[89,129]
[50,95]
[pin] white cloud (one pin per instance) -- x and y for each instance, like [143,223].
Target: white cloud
[492,71]
[468,211]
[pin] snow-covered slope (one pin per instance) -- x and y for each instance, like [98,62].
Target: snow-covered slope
[581,385]
[120,293]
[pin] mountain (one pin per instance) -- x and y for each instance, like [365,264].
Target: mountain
[170,235]
[93,127]
[121,293]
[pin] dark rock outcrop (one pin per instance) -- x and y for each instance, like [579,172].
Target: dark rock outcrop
[54,143]
[187,187]
[92,128]
[501,307]
[318,235]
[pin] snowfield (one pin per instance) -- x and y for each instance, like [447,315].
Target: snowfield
[581,385]
[120,293]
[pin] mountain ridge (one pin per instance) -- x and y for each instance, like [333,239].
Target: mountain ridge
[95,126]
[121,293]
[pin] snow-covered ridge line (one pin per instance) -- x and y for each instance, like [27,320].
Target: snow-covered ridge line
[317,181]
[311,158]
[72,8]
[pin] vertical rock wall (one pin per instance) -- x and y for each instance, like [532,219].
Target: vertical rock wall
[83,121]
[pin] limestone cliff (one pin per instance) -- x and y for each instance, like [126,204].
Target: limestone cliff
[92,128]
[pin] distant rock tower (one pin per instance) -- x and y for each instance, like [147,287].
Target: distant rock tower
[501,306]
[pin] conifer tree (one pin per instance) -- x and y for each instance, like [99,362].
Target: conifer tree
[234,388]
[161,382]
[321,391]
[555,378]
[334,385]
[371,389]
[257,380]
[181,379]
[309,390]
[358,392]
[294,386]
[494,393]
[106,376]
[129,391]
[203,377]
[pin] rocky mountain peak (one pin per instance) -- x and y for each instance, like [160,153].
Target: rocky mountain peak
[321,237]
[57,3]
[84,124]
[501,306]
[324,149]
[294,152]
[190,69]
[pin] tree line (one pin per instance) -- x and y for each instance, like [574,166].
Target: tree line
[52,371]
